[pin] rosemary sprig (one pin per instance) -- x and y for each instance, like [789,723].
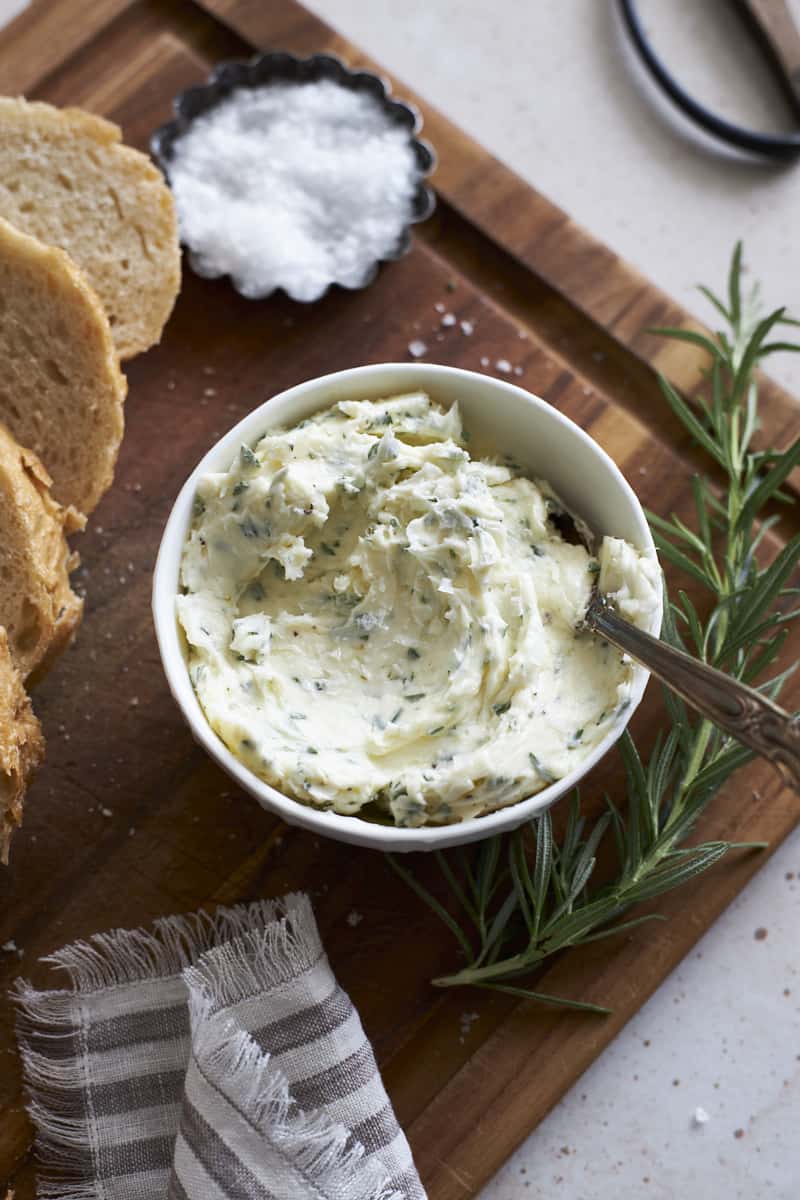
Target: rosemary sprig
[520,898]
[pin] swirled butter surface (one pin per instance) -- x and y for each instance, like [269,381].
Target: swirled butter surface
[382,625]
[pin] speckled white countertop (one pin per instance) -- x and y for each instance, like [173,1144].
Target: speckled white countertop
[547,88]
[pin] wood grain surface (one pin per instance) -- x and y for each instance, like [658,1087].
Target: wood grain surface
[128,819]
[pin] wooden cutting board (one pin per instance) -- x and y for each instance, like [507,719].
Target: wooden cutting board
[128,819]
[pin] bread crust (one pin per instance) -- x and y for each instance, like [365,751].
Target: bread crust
[38,609]
[21,746]
[66,178]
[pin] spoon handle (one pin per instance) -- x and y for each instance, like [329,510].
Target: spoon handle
[741,711]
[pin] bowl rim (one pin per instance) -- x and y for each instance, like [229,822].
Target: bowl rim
[354,829]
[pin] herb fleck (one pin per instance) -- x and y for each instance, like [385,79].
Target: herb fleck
[249,528]
[543,772]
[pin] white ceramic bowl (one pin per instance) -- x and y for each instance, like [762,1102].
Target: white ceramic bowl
[498,415]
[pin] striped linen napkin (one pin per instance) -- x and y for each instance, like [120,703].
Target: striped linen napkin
[215,1058]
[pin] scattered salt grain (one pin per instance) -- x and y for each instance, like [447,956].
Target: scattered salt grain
[518,370]
[465,1023]
[439,306]
[106,812]
[449,319]
[700,1116]
[354,918]
[9,947]
[209,391]
[417,348]
[503,366]
[467,328]
[293,185]
[484,361]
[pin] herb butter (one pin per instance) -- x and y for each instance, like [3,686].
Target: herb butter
[381,625]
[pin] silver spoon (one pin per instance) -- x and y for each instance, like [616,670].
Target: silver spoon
[753,719]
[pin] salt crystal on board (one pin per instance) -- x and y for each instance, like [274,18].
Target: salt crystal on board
[700,1116]
[466,1021]
[293,185]
[467,328]
[449,319]
[503,366]
[484,361]
[417,348]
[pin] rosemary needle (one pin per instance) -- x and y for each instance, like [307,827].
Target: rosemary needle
[522,897]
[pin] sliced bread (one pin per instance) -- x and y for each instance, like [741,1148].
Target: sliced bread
[38,609]
[61,389]
[66,179]
[21,745]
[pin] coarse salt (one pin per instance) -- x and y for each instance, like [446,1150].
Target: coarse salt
[466,1021]
[700,1116]
[503,366]
[449,319]
[295,186]
[417,348]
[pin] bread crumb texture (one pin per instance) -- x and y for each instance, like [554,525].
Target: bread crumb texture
[66,178]
[61,389]
[21,746]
